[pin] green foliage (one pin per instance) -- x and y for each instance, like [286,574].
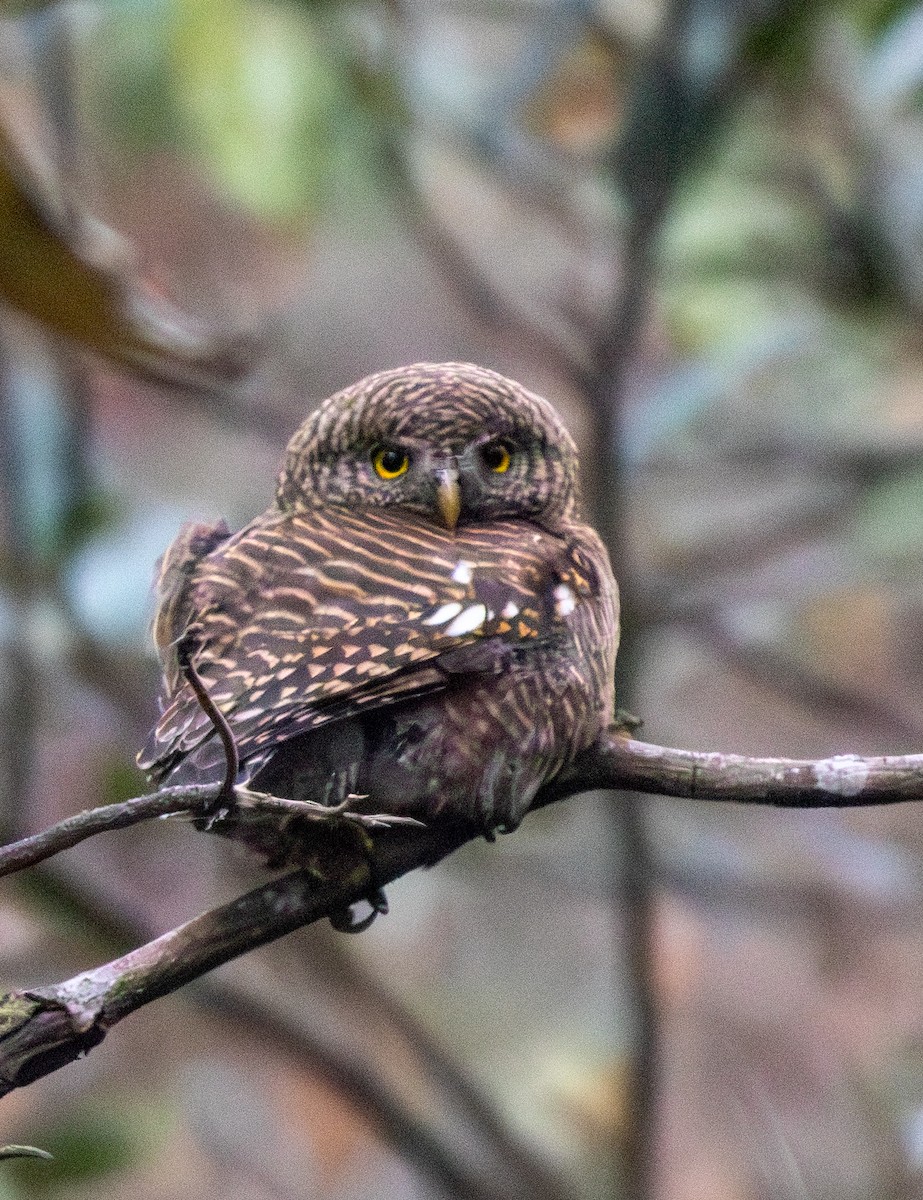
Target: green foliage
[873,17]
[254,93]
[83,518]
[87,1144]
[784,43]
[120,780]
[890,526]
[258,100]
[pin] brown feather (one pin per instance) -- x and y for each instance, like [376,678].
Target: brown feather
[354,642]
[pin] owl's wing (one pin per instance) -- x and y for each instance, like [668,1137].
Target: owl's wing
[306,618]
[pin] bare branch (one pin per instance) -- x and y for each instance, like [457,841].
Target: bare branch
[78,828]
[616,761]
[198,800]
[842,781]
[42,1030]
[485,1161]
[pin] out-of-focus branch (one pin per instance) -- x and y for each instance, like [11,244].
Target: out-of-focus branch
[462,1147]
[461,274]
[770,667]
[674,114]
[479,1159]
[78,278]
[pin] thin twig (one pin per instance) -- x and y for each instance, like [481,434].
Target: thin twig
[672,121]
[83,825]
[221,726]
[198,800]
[24,1152]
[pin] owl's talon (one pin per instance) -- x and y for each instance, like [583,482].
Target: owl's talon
[214,813]
[626,722]
[368,820]
[343,921]
[311,810]
[380,820]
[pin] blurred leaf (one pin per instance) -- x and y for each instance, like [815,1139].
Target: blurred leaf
[258,99]
[762,237]
[24,1152]
[78,278]
[872,17]
[723,314]
[595,1097]
[890,526]
[82,520]
[577,105]
[785,42]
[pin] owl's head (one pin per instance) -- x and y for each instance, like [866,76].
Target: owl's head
[450,441]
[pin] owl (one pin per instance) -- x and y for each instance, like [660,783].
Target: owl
[422,618]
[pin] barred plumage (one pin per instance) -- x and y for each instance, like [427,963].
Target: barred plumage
[439,637]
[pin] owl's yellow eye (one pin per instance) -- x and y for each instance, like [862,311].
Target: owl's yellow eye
[497,456]
[389,462]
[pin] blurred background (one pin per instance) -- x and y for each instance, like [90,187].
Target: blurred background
[697,227]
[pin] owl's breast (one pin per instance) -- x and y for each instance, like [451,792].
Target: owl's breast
[482,748]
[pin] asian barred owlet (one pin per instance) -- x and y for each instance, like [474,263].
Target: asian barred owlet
[422,617]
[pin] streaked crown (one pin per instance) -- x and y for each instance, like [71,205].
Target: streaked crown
[443,425]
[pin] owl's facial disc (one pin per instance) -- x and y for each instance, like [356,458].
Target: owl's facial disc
[512,456]
[416,477]
[494,475]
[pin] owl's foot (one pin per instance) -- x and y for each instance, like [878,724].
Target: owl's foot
[227,798]
[344,922]
[311,810]
[346,810]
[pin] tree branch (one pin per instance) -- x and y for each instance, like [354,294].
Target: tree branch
[42,1029]
[199,801]
[844,780]
[78,828]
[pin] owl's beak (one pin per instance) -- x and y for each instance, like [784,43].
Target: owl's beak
[448,496]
